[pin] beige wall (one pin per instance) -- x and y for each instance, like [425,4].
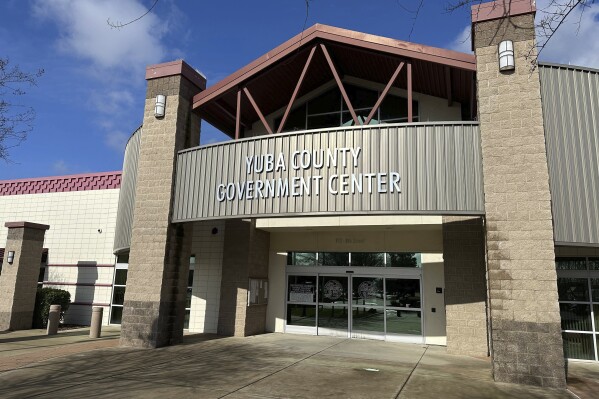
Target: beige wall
[396,233]
[205,300]
[74,218]
[431,109]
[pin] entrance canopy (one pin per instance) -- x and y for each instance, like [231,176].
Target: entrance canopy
[324,53]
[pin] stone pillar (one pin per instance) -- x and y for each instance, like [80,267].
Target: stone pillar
[245,256]
[465,285]
[154,306]
[526,341]
[18,282]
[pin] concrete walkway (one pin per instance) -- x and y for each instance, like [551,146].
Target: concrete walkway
[265,366]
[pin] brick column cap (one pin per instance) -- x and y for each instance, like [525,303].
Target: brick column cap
[501,9]
[28,225]
[174,68]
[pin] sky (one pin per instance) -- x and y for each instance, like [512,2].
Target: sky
[91,96]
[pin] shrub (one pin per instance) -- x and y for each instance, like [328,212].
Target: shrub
[46,297]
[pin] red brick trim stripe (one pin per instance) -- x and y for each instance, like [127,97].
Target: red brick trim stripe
[61,184]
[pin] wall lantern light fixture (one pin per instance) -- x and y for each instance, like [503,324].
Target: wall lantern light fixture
[11,257]
[160,106]
[506,55]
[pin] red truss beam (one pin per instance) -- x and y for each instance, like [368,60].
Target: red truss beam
[384,93]
[297,88]
[247,93]
[410,116]
[341,88]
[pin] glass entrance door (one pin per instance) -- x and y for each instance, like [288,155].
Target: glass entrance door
[368,307]
[357,295]
[333,305]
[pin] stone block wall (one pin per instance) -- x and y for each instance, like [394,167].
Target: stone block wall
[154,306]
[465,285]
[245,256]
[525,320]
[18,282]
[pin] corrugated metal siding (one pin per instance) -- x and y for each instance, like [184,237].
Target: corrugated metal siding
[124,218]
[439,163]
[570,98]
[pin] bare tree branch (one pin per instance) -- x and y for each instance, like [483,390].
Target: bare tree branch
[119,25]
[16,120]
[552,17]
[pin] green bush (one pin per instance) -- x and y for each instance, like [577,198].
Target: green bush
[46,297]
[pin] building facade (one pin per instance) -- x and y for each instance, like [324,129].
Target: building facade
[372,188]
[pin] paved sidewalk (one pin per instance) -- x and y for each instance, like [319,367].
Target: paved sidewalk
[265,366]
[20,348]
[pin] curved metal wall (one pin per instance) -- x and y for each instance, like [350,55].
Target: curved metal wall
[439,164]
[124,218]
[570,98]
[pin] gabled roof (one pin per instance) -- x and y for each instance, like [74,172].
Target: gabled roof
[379,55]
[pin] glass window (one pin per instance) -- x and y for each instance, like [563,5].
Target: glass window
[365,318]
[368,259]
[333,258]
[333,316]
[332,289]
[301,315]
[188,299]
[403,293]
[596,313]
[575,316]
[116,314]
[579,346]
[120,277]
[190,279]
[404,322]
[323,121]
[595,291]
[296,120]
[367,291]
[186,321]
[403,259]
[118,295]
[395,109]
[122,258]
[573,289]
[301,258]
[327,102]
[301,289]
[594,263]
[571,264]
[360,97]
[42,275]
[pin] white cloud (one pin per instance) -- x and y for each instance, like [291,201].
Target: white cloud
[112,102]
[117,140]
[85,34]
[574,44]
[60,167]
[462,42]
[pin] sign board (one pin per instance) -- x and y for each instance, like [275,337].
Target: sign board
[386,169]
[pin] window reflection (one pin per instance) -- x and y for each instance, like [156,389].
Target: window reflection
[573,289]
[358,259]
[403,293]
[329,110]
